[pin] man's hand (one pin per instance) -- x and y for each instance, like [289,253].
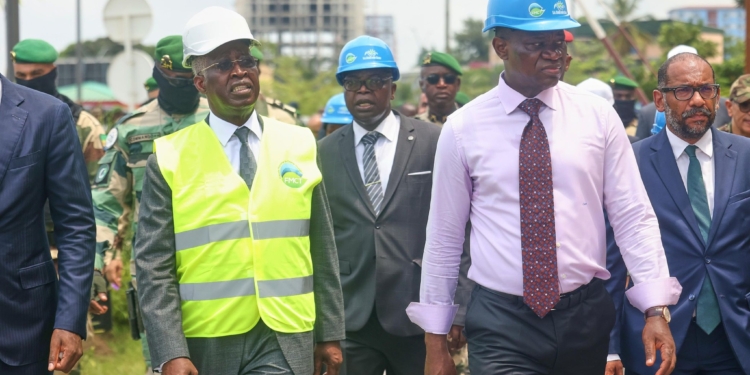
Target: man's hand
[113,272]
[98,293]
[657,336]
[330,354]
[179,366]
[613,368]
[65,350]
[456,339]
[438,361]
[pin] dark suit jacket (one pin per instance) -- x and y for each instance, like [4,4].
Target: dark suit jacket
[725,257]
[158,289]
[41,159]
[381,256]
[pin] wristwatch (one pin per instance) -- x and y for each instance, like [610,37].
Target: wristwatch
[661,311]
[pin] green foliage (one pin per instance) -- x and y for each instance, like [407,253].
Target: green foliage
[676,33]
[732,67]
[475,82]
[102,47]
[624,9]
[590,59]
[471,43]
[302,81]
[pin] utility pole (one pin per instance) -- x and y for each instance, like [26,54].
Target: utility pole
[747,36]
[448,26]
[79,54]
[11,31]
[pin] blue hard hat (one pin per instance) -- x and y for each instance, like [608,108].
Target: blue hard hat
[336,111]
[366,52]
[529,15]
[659,121]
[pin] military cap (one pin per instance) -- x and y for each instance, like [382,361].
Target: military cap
[33,51]
[257,53]
[623,83]
[740,91]
[462,98]
[444,59]
[150,84]
[169,53]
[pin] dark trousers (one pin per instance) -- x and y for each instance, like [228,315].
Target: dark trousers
[506,337]
[372,350]
[37,368]
[703,354]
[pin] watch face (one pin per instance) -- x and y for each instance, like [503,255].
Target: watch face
[667,315]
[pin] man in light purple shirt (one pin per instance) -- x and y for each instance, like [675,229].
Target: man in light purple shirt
[533,163]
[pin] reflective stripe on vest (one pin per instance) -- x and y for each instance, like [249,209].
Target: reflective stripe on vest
[241,229]
[246,287]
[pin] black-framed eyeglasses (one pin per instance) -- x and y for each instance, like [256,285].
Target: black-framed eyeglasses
[744,107]
[685,93]
[434,79]
[225,65]
[372,83]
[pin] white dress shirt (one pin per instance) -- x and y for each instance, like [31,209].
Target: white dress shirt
[593,169]
[231,143]
[705,155]
[385,147]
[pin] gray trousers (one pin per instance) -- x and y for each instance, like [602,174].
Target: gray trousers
[253,353]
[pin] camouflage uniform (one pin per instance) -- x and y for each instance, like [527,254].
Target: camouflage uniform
[739,93]
[426,116]
[277,110]
[726,127]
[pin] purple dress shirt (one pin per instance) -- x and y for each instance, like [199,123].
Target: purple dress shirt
[593,168]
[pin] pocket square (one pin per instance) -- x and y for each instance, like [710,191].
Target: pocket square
[419,173]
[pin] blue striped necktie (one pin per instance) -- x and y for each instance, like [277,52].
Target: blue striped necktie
[372,173]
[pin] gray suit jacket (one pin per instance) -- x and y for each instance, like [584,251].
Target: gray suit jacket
[381,256]
[159,294]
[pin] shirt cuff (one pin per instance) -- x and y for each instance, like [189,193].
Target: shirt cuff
[613,357]
[658,292]
[436,319]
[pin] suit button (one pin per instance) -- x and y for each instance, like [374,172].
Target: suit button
[708,260]
[691,297]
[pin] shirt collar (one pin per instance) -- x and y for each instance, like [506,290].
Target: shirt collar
[511,98]
[705,144]
[225,130]
[388,128]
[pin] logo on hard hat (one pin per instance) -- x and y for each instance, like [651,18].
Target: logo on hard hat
[536,10]
[371,54]
[331,109]
[350,58]
[291,175]
[560,8]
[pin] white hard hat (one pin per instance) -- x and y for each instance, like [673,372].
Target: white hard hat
[598,88]
[211,28]
[681,49]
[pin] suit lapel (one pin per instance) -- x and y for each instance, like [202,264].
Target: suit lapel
[12,121]
[346,147]
[725,162]
[666,166]
[406,141]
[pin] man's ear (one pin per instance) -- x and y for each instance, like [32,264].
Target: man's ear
[458,84]
[200,83]
[727,104]
[500,46]
[422,84]
[393,91]
[660,101]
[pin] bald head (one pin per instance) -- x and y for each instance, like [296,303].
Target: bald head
[682,58]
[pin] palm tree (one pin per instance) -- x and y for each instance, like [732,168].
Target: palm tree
[624,10]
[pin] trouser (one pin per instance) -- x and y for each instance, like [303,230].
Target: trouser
[703,354]
[253,353]
[372,350]
[36,368]
[506,337]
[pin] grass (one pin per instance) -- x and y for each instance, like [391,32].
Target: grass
[112,353]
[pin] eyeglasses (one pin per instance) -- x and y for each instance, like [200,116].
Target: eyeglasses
[744,107]
[372,83]
[225,65]
[685,93]
[434,79]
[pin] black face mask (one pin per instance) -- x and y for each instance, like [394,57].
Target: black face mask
[176,95]
[45,83]
[626,110]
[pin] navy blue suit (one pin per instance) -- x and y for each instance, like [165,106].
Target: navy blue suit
[725,257]
[41,159]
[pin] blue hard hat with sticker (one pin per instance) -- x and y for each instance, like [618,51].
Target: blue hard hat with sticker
[529,15]
[336,111]
[366,52]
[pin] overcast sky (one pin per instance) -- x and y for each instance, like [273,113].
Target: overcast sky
[419,23]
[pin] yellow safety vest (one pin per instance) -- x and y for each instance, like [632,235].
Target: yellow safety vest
[242,255]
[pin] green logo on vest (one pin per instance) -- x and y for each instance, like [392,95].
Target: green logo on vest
[536,10]
[291,175]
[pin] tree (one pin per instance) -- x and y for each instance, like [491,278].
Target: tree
[676,33]
[302,81]
[102,47]
[624,10]
[471,43]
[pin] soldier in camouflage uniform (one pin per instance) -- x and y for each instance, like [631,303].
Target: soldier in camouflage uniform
[440,80]
[738,106]
[273,108]
[119,179]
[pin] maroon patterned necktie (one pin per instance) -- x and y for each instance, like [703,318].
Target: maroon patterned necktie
[541,290]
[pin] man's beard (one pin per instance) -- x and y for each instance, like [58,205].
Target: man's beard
[680,126]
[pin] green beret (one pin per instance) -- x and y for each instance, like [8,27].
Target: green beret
[257,53]
[33,51]
[150,84]
[623,83]
[444,59]
[462,98]
[168,54]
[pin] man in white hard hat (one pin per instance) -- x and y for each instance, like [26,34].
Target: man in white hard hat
[235,253]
